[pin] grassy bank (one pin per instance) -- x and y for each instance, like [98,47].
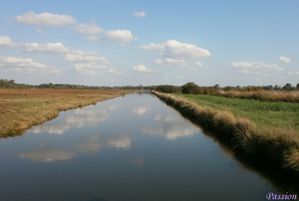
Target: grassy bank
[238,123]
[285,96]
[22,108]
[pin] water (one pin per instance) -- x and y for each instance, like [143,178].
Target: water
[132,148]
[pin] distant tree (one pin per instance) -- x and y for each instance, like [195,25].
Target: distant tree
[190,88]
[297,86]
[168,88]
[217,86]
[287,86]
[268,88]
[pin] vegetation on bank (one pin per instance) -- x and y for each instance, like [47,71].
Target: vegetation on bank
[287,93]
[20,108]
[227,119]
[265,114]
[4,83]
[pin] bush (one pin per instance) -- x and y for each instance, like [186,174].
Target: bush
[190,88]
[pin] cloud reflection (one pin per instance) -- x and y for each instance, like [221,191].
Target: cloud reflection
[120,142]
[171,127]
[81,117]
[90,146]
[48,155]
[141,111]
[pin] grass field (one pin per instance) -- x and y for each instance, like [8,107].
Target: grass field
[263,130]
[264,114]
[22,108]
[264,95]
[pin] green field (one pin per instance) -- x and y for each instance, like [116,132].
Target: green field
[264,114]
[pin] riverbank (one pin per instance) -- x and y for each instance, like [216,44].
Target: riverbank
[22,108]
[278,146]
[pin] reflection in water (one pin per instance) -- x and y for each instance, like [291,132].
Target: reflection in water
[91,145]
[125,149]
[48,155]
[171,127]
[82,117]
[139,163]
[120,142]
[140,110]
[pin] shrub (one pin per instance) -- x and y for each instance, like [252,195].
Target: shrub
[190,88]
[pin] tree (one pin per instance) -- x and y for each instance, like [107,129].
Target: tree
[297,86]
[190,88]
[287,86]
[168,88]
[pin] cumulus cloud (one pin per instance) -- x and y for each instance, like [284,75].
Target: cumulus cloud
[90,63]
[90,30]
[45,47]
[174,48]
[25,65]
[121,35]
[46,19]
[89,68]
[174,52]
[170,61]
[81,56]
[85,62]
[5,41]
[142,69]
[255,67]
[153,47]
[285,59]
[198,64]
[139,14]
[293,73]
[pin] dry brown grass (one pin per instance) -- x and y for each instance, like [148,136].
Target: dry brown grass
[286,96]
[276,145]
[22,108]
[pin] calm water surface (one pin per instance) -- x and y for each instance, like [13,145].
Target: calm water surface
[132,148]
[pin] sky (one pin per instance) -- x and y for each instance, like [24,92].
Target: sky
[139,42]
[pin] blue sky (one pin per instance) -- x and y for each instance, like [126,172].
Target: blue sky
[114,42]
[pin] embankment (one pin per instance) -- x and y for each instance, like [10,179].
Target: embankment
[278,147]
[22,108]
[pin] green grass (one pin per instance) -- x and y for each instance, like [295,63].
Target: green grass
[264,130]
[264,114]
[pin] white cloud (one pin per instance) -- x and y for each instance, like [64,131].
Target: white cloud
[285,59]
[139,14]
[25,65]
[81,56]
[45,47]
[174,48]
[255,67]
[113,71]
[293,73]
[91,68]
[91,30]
[153,47]
[5,41]
[46,19]
[142,68]
[174,52]
[198,64]
[169,61]
[120,35]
